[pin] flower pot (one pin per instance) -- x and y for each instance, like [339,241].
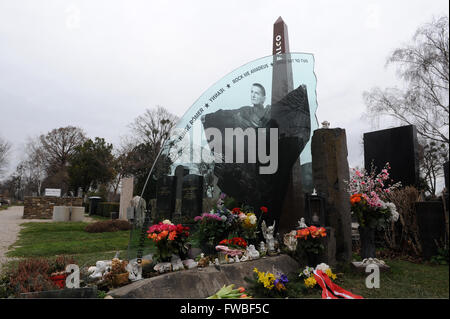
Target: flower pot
[367,239]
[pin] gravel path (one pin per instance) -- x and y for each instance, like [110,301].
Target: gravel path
[10,220]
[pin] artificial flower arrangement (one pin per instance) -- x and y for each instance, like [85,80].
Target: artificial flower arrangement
[268,284]
[309,243]
[308,274]
[169,239]
[370,197]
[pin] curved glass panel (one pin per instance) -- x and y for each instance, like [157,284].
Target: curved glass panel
[242,137]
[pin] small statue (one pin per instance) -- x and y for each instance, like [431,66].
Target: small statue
[252,253]
[290,241]
[268,236]
[325,124]
[262,248]
[134,271]
[301,223]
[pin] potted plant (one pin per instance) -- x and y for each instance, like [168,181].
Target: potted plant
[309,243]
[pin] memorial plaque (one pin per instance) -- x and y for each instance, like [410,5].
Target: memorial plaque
[165,197]
[399,147]
[192,195]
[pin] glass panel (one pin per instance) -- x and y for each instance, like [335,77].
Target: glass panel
[244,134]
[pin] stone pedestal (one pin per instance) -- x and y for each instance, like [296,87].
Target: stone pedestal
[77,214]
[330,171]
[61,214]
[126,195]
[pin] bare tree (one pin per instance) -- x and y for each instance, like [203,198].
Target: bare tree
[5,147]
[154,127]
[424,66]
[59,144]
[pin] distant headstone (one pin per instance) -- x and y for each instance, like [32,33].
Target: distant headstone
[192,195]
[180,172]
[126,195]
[398,146]
[330,171]
[431,224]
[165,197]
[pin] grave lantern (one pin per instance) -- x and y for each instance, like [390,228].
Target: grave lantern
[315,209]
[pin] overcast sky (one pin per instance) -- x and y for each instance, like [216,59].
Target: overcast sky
[99,64]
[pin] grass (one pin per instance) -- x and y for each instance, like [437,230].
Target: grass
[2,207]
[65,238]
[405,280]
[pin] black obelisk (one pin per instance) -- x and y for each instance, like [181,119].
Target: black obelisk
[291,207]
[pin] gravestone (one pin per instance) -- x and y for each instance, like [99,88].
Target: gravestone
[180,172]
[192,195]
[126,195]
[431,224]
[399,147]
[330,171]
[165,197]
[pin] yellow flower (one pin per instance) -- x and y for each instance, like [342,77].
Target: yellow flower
[330,274]
[310,282]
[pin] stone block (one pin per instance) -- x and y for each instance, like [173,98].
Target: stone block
[330,173]
[203,282]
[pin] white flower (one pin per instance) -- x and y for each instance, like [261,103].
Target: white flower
[242,216]
[224,218]
[324,267]
[252,219]
[167,222]
[307,271]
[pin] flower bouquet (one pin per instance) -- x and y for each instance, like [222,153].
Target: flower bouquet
[169,239]
[267,284]
[248,222]
[370,204]
[214,226]
[308,274]
[227,292]
[309,243]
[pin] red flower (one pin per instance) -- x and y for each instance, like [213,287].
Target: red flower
[264,209]
[236,210]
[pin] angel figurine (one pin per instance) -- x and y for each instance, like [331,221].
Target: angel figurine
[268,236]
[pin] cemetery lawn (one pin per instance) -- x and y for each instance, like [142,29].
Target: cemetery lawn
[67,238]
[405,280]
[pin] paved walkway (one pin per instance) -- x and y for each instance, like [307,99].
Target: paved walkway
[10,220]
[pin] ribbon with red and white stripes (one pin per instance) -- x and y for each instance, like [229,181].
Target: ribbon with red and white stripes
[330,290]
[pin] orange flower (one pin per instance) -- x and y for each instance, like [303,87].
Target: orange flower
[314,231]
[355,198]
[322,232]
[241,289]
[172,235]
[302,233]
